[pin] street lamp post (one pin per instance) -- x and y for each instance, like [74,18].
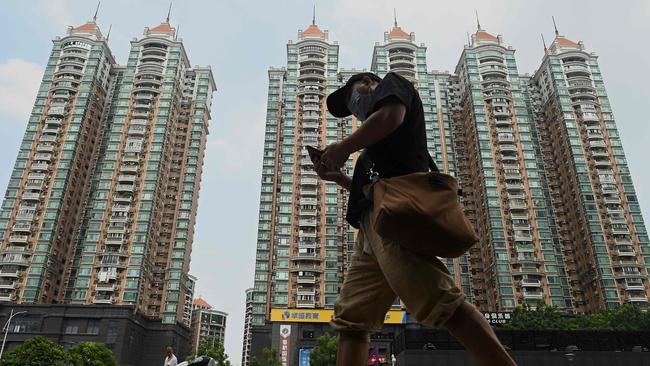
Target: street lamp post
[6,329]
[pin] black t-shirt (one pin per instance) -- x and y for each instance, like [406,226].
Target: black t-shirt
[402,152]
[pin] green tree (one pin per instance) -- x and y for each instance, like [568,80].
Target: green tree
[212,348]
[622,318]
[92,354]
[324,354]
[37,351]
[269,358]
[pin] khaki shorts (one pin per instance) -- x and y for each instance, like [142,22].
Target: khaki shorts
[382,270]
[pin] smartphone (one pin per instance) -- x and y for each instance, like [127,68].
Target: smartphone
[314,154]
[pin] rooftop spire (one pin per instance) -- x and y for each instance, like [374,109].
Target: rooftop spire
[469,42]
[96,10]
[555,26]
[544,42]
[169,12]
[395,15]
[313,18]
[108,35]
[478,22]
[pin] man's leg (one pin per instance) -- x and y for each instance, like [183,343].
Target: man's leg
[475,333]
[430,294]
[360,307]
[352,349]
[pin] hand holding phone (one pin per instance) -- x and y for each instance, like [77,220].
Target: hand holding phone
[314,155]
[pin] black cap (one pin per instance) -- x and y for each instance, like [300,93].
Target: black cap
[337,102]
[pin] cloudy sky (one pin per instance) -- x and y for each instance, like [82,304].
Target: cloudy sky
[241,39]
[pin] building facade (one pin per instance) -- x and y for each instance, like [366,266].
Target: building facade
[207,324]
[101,206]
[603,235]
[544,177]
[302,236]
[133,338]
[248,326]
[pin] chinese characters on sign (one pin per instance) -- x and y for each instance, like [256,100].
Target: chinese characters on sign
[497,317]
[285,342]
[325,316]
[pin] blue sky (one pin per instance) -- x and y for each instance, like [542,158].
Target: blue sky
[241,39]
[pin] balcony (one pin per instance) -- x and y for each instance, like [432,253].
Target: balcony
[114,241]
[18,259]
[532,295]
[9,273]
[514,186]
[526,282]
[26,215]
[7,297]
[32,196]
[137,130]
[506,138]
[307,223]
[309,181]
[23,227]
[636,298]
[501,113]
[47,138]
[53,121]
[125,188]
[597,144]
[310,125]
[306,279]
[517,205]
[634,284]
[99,299]
[305,304]
[56,111]
[507,147]
[39,166]
[625,251]
[126,178]
[10,285]
[128,168]
[45,148]
[140,114]
[128,158]
[122,199]
[105,288]
[19,238]
[308,201]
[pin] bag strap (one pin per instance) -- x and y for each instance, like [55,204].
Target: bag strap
[432,165]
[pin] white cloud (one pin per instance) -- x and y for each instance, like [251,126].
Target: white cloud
[19,82]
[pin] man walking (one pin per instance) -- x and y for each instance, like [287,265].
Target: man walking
[393,140]
[170,358]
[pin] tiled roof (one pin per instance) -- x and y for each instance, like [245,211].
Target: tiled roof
[202,303]
[398,32]
[563,42]
[86,28]
[313,30]
[485,36]
[162,28]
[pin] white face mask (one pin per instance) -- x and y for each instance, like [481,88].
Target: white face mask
[360,105]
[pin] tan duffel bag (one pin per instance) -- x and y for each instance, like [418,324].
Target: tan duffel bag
[421,212]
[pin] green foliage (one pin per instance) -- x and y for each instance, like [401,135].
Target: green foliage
[325,353]
[37,351]
[92,354]
[40,351]
[212,348]
[269,358]
[623,318]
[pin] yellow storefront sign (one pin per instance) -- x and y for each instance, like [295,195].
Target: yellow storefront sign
[324,316]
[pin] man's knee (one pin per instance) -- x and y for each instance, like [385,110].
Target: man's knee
[358,336]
